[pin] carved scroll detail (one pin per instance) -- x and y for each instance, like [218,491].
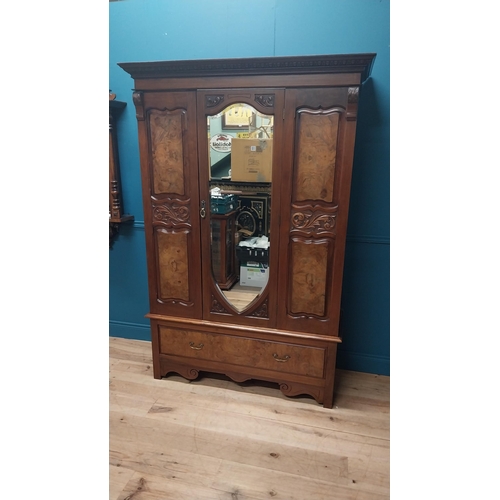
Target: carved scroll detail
[352,100]
[213,100]
[137,97]
[316,222]
[217,307]
[262,311]
[172,213]
[295,390]
[266,100]
[187,372]
[352,95]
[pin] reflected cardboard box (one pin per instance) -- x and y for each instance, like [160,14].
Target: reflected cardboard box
[251,160]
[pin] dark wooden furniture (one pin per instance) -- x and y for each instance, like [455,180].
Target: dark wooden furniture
[289,334]
[116,215]
[223,249]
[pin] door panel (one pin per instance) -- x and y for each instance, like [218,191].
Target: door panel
[312,237]
[239,140]
[168,146]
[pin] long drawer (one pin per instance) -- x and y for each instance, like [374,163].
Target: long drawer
[241,351]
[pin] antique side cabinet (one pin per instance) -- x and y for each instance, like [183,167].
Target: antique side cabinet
[273,139]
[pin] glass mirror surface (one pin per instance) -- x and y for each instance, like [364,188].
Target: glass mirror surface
[240,142]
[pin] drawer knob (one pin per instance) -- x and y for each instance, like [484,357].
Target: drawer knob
[195,347]
[284,359]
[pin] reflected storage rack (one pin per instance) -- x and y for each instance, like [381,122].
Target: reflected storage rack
[290,332]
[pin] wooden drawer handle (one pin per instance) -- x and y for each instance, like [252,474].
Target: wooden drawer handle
[195,347]
[281,360]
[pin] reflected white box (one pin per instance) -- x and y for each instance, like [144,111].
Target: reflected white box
[254,274]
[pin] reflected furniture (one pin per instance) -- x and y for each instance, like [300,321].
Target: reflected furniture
[224,249]
[116,214]
[289,333]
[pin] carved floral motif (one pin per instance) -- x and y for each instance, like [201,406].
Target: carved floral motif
[217,307]
[314,221]
[266,100]
[171,214]
[262,311]
[213,100]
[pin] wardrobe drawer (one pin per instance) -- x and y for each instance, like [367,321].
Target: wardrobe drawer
[240,351]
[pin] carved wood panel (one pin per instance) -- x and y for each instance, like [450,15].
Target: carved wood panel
[173,268]
[314,220]
[308,276]
[172,213]
[316,153]
[167,151]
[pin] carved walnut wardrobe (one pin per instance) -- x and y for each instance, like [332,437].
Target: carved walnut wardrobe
[246,171]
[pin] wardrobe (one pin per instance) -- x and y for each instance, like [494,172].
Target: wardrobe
[246,171]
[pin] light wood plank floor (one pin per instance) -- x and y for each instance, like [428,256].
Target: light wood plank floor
[215,439]
[241,296]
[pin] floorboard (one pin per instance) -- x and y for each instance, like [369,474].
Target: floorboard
[215,439]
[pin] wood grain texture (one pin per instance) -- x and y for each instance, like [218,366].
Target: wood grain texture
[316,155]
[173,268]
[167,151]
[308,275]
[241,352]
[215,439]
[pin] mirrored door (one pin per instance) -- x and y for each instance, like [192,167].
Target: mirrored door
[240,156]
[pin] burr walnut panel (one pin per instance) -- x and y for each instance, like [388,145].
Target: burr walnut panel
[167,151]
[316,153]
[173,268]
[240,351]
[308,276]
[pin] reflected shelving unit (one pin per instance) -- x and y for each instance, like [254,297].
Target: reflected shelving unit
[116,212]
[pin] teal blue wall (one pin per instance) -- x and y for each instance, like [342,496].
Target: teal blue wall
[148,30]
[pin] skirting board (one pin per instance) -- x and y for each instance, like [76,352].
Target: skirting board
[132,331]
[359,362]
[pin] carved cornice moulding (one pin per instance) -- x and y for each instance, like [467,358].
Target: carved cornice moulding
[289,65]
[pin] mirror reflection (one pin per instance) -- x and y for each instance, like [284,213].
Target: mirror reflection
[240,142]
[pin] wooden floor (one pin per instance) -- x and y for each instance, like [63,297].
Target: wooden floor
[215,439]
[241,296]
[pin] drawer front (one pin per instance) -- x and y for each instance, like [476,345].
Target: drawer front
[276,356]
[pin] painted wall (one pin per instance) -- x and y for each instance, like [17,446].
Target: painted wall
[148,30]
